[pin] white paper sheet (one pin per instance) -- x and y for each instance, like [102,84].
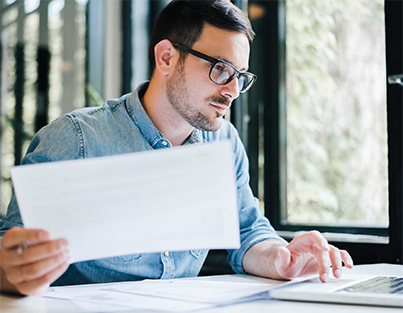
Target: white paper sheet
[176,295]
[102,298]
[196,290]
[133,303]
[168,199]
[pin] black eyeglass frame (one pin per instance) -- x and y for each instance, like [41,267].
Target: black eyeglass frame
[213,62]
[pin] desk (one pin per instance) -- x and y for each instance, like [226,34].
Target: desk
[14,304]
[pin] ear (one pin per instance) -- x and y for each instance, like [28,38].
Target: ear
[165,54]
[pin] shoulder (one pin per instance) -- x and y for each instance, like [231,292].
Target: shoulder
[66,137]
[111,109]
[55,142]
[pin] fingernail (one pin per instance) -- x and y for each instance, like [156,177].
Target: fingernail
[324,277]
[337,273]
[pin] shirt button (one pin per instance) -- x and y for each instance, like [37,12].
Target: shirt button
[166,253]
[164,143]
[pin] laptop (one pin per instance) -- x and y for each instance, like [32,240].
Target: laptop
[377,290]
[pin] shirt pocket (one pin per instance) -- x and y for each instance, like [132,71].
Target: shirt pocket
[197,253]
[128,258]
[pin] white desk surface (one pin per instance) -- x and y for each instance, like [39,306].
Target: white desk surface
[14,304]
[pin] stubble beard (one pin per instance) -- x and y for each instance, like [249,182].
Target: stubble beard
[178,96]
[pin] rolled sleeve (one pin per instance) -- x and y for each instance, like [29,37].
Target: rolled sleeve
[254,228]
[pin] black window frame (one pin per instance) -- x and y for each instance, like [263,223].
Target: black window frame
[268,62]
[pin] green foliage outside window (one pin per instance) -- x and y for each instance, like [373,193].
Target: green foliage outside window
[336,113]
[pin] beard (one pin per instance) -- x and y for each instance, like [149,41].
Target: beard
[178,96]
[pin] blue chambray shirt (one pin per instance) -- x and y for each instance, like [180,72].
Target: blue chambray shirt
[123,126]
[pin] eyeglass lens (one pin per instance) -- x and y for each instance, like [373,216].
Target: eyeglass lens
[221,73]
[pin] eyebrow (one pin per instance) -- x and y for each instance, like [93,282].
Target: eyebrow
[228,61]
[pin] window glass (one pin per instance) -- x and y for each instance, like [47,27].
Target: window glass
[337,157]
[9,42]
[66,31]
[31,5]
[7,2]
[26,34]
[30,45]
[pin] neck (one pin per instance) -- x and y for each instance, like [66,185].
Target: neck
[164,116]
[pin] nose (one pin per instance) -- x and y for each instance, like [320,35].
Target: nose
[231,90]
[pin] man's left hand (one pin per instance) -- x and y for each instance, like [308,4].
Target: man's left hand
[310,253]
[306,254]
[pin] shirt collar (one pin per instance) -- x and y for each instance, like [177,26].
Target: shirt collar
[146,125]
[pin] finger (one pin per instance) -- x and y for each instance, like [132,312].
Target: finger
[335,258]
[345,256]
[34,253]
[18,275]
[323,260]
[40,285]
[19,235]
[306,241]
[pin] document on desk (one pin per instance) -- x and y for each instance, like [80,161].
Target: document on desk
[177,295]
[175,199]
[103,298]
[196,290]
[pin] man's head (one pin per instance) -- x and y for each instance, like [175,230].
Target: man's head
[182,21]
[200,57]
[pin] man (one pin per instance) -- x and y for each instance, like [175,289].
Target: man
[199,55]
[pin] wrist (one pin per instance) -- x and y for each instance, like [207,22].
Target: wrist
[260,259]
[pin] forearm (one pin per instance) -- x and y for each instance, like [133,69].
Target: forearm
[259,259]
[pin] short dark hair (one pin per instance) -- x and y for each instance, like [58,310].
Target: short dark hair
[182,21]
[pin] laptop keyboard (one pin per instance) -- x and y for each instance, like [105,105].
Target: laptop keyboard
[379,284]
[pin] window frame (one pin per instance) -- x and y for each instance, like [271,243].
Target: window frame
[268,60]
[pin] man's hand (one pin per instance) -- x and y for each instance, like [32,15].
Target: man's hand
[31,271]
[306,254]
[310,253]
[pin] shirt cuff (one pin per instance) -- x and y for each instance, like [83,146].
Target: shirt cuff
[236,262]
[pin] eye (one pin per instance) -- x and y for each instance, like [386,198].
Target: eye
[219,67]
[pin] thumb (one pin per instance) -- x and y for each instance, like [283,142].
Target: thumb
[283,257]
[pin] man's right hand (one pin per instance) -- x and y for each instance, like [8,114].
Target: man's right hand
[31,271]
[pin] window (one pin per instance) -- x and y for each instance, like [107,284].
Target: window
[43,59]
[337,156]
[330,157]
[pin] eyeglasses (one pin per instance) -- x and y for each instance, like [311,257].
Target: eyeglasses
[222,72]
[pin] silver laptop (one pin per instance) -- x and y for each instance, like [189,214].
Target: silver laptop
[353,289]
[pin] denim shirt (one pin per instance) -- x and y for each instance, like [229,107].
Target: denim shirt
[123,126]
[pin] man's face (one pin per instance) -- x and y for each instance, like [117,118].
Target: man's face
[192,94]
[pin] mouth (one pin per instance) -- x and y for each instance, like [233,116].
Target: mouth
[220,108]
